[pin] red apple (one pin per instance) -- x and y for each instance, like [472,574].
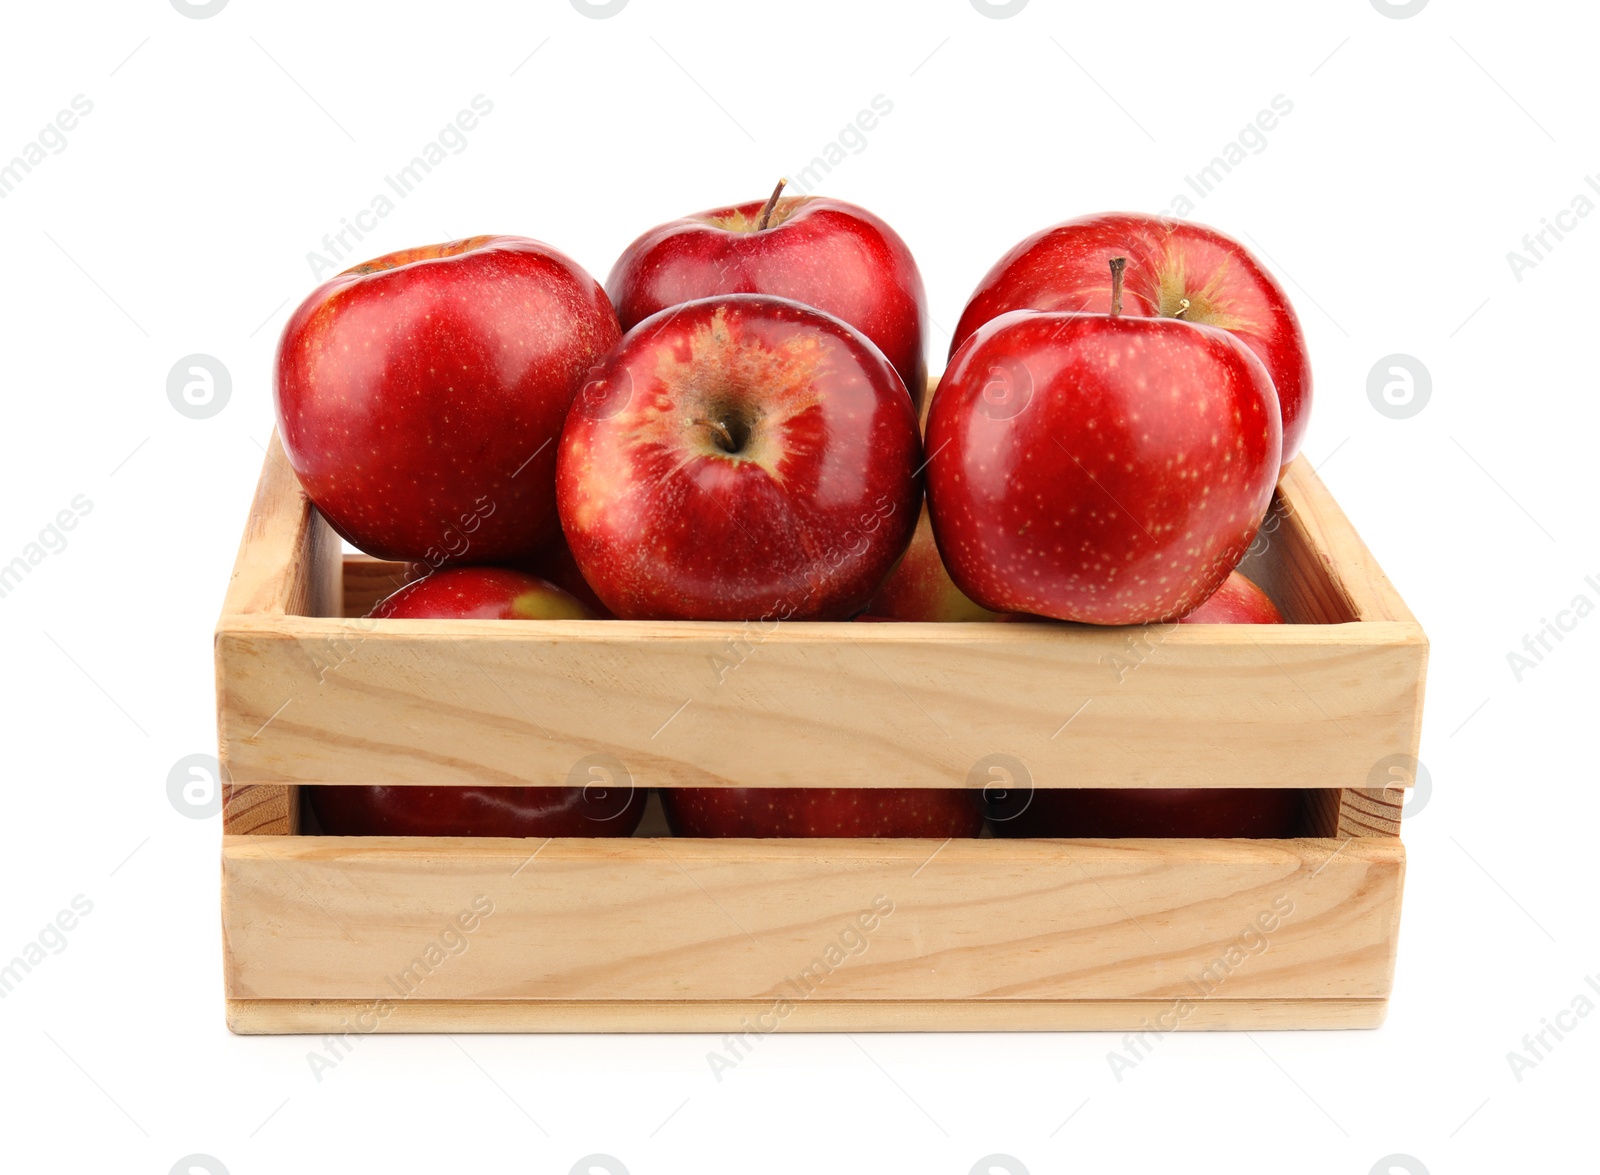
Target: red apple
[1161,811]
[1102,468]
[824,252]
[919,588]
[420,396]
[739,458]
[480,593]
[1237,601]
[1175,269]
[606,804]
[827,811]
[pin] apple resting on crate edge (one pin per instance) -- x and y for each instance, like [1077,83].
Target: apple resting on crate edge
[1176,269]
[478,593]
[814,249]
[1161,811]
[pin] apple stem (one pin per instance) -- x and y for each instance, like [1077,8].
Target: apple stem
[725,440]
[772,202]
[1183,305]
[1118,264]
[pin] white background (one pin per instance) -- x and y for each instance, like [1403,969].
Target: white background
[178,219]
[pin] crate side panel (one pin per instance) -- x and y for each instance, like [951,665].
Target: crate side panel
[348,918]
[396,702]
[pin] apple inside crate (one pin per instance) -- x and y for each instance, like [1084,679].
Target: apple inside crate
[655,933]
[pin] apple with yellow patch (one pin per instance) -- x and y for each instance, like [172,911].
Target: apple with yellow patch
[739,458]
[1176,269]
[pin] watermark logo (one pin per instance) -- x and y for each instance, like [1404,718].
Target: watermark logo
[1399,12]
[199,386]
[338,248]
[194,786]
[199,12]
[1537,1046]
[198,1164]
[1006,784]
[999,11]
[793,990]
[1251,140]
[1399,386]
[604,1164]
[452,940]
[51,540]
[1540,643]
[1537,246]
[606,784]
[1403,771]
[51,140]
[851,140]
[605,393]
[1398,1164]
[1007,391]
[1005,1164]
[50,940]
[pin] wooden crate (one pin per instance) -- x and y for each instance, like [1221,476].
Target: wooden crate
[652,933]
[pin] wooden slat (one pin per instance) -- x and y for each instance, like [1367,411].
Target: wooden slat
[736,920]
[817,704]
[320,1017]
[289,564]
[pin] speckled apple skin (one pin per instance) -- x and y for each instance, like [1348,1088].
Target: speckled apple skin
[822,811]
[804,524]
[1237,601]
[824,252]
[1065,268]
[1117,475]
[420,396]
[480,593]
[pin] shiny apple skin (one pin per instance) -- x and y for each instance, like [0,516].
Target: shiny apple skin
[1106,470]
[810,812]
[1064,268]
[1237,601]
[480,593]
[803,522]
[414,393]
[1147,811]
[824,252]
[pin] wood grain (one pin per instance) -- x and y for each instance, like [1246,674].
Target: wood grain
[319,1017]
[260,809]
[734,920]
